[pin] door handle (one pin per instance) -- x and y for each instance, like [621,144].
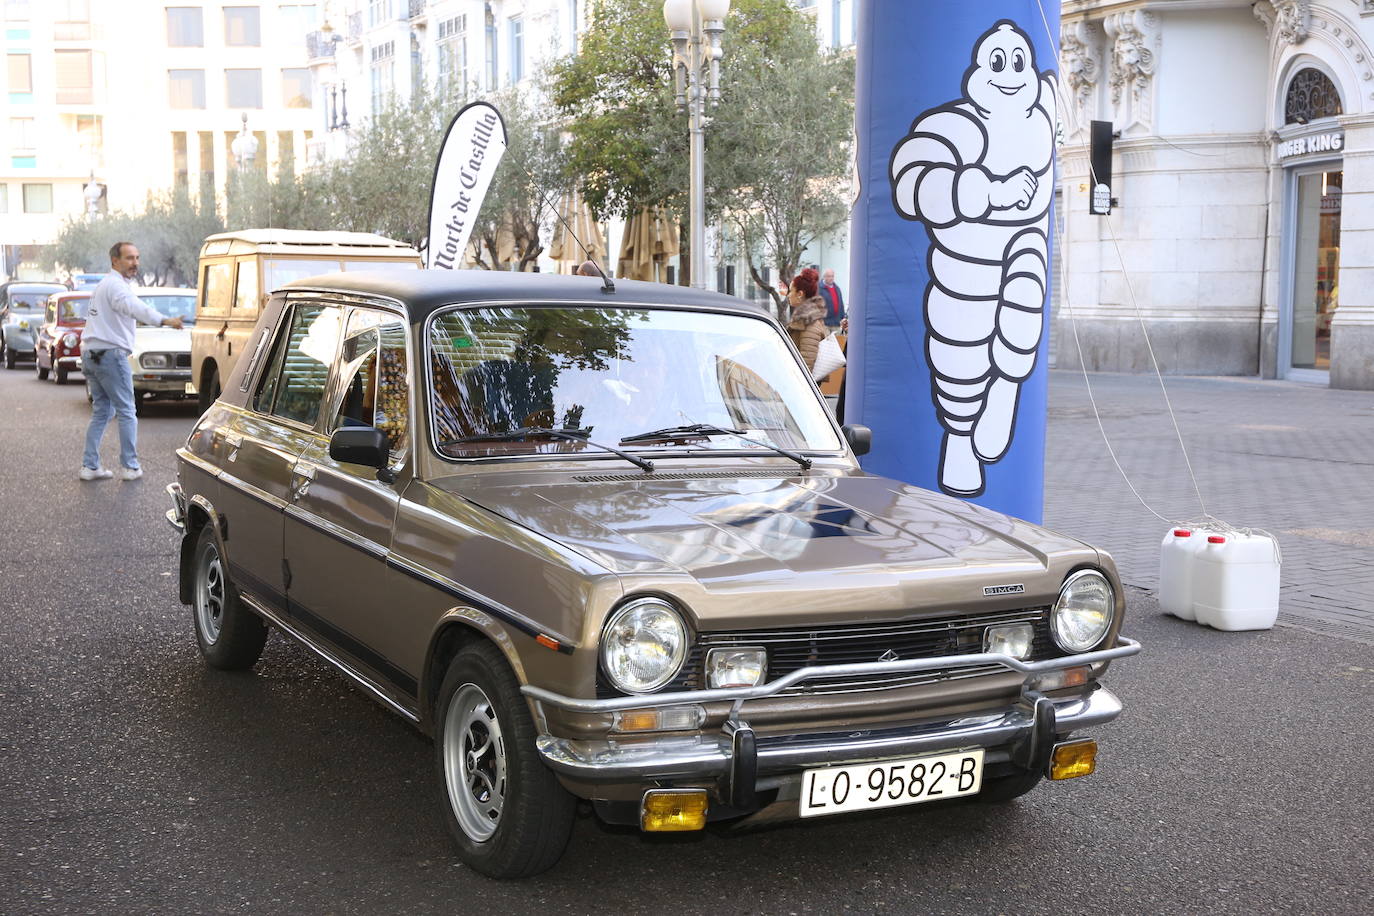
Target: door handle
[303,477]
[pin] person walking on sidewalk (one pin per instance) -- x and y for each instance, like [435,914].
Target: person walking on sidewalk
[832,297]
[106,344]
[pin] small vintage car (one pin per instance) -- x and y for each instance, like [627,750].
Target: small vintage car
[607,543]
[161,360]
[59,337]
[21,313]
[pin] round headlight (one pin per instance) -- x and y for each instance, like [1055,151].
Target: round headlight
[643,645]
[69,340]
[153,360]
[1084,612]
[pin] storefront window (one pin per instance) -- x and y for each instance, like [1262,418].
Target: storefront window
[1316,275]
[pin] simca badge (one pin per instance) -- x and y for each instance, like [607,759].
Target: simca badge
[992,591]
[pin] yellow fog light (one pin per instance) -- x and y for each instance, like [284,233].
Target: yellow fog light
[673,718]
[1073,759]
[673,809]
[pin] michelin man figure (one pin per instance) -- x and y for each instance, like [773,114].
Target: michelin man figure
[979,173]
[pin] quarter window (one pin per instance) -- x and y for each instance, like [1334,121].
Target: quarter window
[294,385]
[246,291]
[372,368]
[215,285]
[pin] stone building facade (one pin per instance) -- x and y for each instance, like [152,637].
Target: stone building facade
[1242,236]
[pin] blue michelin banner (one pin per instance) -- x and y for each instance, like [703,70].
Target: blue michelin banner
[951,246]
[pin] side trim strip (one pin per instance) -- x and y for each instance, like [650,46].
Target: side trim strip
[347,670]
[247,489]
[330,530]
[521,623]
[403,681]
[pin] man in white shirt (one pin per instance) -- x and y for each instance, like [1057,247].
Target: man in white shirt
[106,344]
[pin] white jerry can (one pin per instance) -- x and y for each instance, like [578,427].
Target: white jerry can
[1176,554]
[1235,581]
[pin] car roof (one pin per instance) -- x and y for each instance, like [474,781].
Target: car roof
[72,294]
[164,291]
[32,286]
[422,292]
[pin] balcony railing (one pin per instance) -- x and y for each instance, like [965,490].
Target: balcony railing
[319,45]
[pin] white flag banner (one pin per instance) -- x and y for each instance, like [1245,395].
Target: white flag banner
[468,157]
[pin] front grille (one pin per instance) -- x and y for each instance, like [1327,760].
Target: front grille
[927,637]
[183,360]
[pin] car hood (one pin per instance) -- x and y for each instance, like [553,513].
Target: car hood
[161,340]
[823,542]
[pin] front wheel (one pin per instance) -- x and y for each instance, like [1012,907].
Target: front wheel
[60,375]
[42,373]
[508,812]
[10,357]
[230,636]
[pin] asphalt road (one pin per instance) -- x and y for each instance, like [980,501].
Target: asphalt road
[133,779]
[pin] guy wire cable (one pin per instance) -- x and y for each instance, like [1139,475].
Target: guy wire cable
[1130,289]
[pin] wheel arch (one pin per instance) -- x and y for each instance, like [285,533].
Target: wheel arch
[460,627]
[199,513]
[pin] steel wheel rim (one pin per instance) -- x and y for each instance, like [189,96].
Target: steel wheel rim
[210,598]
[474,762]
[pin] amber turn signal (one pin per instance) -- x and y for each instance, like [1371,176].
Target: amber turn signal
[665,810]
[1073,759]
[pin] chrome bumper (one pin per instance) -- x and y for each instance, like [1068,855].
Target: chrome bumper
[713,756]
[71,362]
[1027,728]
[176,516]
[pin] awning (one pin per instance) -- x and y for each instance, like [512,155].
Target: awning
[565,247]
[650,239]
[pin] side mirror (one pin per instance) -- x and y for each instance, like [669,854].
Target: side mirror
[365,445]
[860,438]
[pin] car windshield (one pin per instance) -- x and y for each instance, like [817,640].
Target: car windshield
[612,374]
[28,302]
[183,307]
[72,311]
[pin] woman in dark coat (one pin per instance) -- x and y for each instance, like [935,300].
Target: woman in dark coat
[806,322]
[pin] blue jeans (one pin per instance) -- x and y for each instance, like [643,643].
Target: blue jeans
[112,395]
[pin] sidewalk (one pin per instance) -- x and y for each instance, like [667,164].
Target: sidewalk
[1296,460]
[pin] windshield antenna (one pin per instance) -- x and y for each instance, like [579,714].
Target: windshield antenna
[606,285]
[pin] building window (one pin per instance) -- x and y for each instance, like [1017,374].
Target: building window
[186,88]
[181,171]
[242,26]
[37,198]
[185,27]
[22,139]
[295,87]
[491,50]
[74,77]
[380,11]
[1311,95]
[517,49]
[243,88]
[72,20]
[453,54]
[383,71]
[20,74]
[296,19]
[90,134]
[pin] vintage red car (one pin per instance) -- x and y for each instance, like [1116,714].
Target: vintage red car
[59,339]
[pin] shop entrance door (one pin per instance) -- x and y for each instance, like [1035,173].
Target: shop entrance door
[1316,272]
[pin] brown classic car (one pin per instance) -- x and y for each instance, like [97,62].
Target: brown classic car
[606,543]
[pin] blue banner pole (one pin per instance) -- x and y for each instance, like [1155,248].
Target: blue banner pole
[952,239]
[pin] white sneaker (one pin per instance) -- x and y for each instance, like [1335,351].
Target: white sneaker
[95,473]
[129,473]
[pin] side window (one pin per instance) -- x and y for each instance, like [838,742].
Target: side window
[246,292]
[214,285]
[293,386]
[372,376]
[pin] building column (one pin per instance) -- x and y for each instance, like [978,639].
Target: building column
[1352,324]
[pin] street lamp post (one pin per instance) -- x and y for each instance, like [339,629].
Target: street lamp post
[697,27]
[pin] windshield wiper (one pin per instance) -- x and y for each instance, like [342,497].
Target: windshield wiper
[570,435]
[707,429]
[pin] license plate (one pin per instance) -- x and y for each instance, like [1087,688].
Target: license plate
[834,790]
[190,388]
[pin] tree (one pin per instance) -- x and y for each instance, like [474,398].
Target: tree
[777,148]
[526,186]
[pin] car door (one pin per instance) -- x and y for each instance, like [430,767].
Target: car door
[257,448]
[339,521]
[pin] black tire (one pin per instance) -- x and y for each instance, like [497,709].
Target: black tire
[10,357]
[1002,789]
[480,705]
[42,372]
[60,375]
[209,392]
[230,636]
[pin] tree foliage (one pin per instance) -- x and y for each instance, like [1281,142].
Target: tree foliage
[777,147]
